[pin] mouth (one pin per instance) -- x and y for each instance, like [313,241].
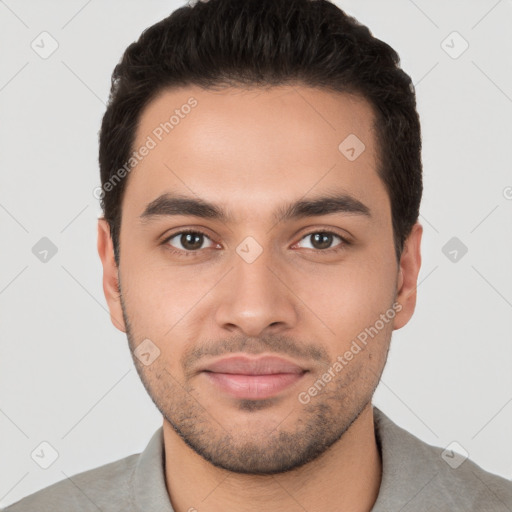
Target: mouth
[253,378]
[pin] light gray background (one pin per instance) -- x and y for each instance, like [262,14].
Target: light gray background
[66,375]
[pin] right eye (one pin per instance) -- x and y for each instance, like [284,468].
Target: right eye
[187,241]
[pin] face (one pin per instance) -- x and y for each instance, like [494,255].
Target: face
[259,285]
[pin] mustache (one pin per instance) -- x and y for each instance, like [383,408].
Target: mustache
[274,344]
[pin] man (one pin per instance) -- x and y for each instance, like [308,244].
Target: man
[261,183]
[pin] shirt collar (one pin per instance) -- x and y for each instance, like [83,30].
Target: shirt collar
[406,465]
[149,487]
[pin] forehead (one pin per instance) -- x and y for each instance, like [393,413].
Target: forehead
[262,144]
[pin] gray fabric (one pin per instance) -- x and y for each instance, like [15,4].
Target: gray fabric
[414,478]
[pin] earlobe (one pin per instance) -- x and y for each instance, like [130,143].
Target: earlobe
[110,274]
[410,263]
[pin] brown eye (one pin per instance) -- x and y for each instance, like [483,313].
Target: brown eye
[323,240]
[187,240]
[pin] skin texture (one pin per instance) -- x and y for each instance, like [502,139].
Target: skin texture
[250,152]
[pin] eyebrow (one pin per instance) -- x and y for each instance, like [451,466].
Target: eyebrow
[170,204]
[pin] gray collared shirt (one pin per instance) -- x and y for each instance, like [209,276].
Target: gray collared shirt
[415,478]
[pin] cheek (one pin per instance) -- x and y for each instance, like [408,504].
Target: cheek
[152,287]
[162,300]
[352,297]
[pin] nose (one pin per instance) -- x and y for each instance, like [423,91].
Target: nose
[257,298]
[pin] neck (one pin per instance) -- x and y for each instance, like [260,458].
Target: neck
[346,477]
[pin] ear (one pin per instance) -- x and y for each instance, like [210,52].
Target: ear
[410,263]
[110,274]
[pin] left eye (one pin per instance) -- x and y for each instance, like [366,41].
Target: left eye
[322,240]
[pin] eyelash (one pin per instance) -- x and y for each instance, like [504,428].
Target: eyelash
[344,242]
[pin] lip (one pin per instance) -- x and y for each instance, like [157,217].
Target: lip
[244,365]
[253,378]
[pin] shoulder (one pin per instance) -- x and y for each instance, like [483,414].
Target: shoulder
[425,475]
[106,488]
